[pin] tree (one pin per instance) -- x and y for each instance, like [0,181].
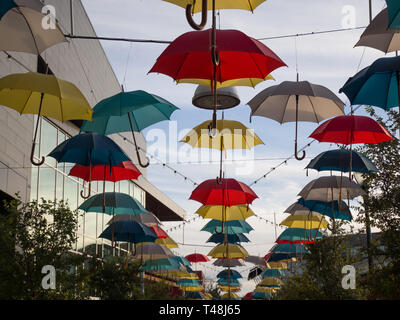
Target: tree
[34,235]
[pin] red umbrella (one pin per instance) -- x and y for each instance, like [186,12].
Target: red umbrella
[351,130]
[249,295]
[229,192]
[124,171]
[160,233]
[197,257]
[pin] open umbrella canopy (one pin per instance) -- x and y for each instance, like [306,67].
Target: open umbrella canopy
[233,274]
[123,171]
[147,218]
[195,295]
[255,260]
[394,14]
[150,250]
[229,288]
[111,115]
[265,289]
[331,188]
[330,209]
[129,231]
[278,265]
[238,212]
[339,159]
[230,296]
[297,248]
[255,272]
[229,192]
[232,238]
[21,30]
[298,235]
[279,257]
[188,57]
[167,242]
[230,227]
[226,282]
[297,209]
[230,135]
[305,222]
[188,282]
[228,251]
[245,82]
[182,260]
[382,78]
[221,262]
[115,203]
[89,148]
[161,264]
[261,295]
[378,36]
[271,282]
[249,5]
[160,233]
[273,273]
[352,130]
[197,257]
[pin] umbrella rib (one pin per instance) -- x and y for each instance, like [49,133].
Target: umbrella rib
[286,104]
[30,30]
[258,68]
[180,67]
[312,105]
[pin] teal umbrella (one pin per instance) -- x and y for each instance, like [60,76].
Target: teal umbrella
[129,111]
[394,13]
[232,273]
[160,264]
[115,203]
[330,209]
[261,295]
[226,282]
[188,282]
[287,248]
[182,260]
[273,273]
[298,235]
[231,227]
[129,231]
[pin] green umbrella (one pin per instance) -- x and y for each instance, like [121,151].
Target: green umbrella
[129,111]
[394,14]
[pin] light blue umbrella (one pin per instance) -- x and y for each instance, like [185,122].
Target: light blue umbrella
[233,274]
[232,227]
[330,209]
[273,273]
[297,248]
[128,231]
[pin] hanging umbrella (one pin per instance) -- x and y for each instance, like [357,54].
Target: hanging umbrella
[195,295]
[167,242]
[232,263]
[229,289]
[226,282]
[230,296]
[305,222]
[188,283]
[129,112]
[261,295]
[296,101]
[278,265]
[230,227]
[238,212]
[338,160]
[7,5]
[183,261]
[232,273]
[197,257]
[330,209]
[298,235]
[245,82]
[297,248]
[351,130]
[255,260]
[115,204]
[378,36]
[149,251]
[229,192]
[231,238]
[255,272]
[128,231]
[229,135]
[228,251]
[279,257]
[161,264]
[264,289]
[147,218]
[160,233]
[297,209]
[234,55]
[44,95]
[21,30]
[275,273]
[270,282]
[394,14]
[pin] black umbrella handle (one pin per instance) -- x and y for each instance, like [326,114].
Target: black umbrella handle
[295,143]
[296,153]
[189,16]
[89,192]
[34,138]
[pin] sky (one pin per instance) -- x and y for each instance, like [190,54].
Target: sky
[325,59]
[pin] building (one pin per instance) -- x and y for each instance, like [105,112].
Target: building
[84,63]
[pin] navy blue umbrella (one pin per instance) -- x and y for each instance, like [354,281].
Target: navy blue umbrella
[129,231]
[232,238]
[330,209]
[233,274]
[274,257]
[339,160]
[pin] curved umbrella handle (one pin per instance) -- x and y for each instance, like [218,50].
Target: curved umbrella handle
[189,16]
[296,153]
[38,164]
[89,192]
[140,161]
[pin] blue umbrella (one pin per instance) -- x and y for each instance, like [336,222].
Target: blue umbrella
[233,274]
[289,248]
[275,257]
[261,295]
[232,227]
[188,282]
[194,295]
[160,264]
[232,238]
[298,235]
[376,85]
[129,231]
[330,209]
[225,282]
[394,13]
[182,260]
[273,273]
[339,160]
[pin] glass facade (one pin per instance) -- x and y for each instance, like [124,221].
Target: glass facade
[51,182]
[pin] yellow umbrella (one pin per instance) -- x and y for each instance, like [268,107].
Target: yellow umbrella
[228,288]
[278,265]
[244,82]
[230,296]
[191,289]
[229,250]
[265,289]
[271,281]
[44,95]
[305,222]
[240,212]
[167,242]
